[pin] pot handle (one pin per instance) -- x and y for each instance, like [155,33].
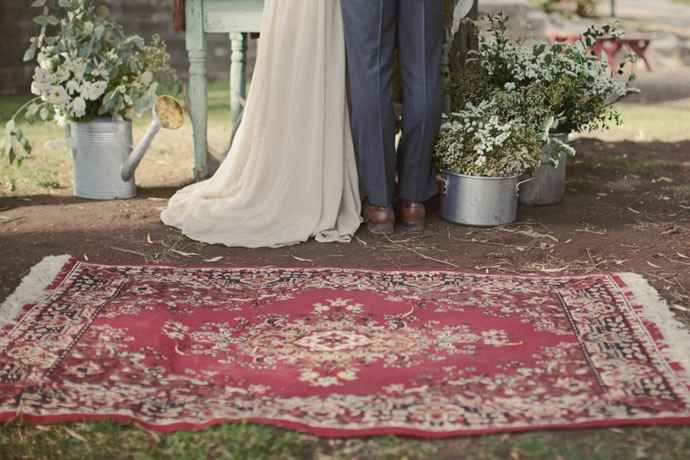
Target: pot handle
[521,183]
[443,184]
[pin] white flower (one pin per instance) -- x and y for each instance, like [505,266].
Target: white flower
[43,80]
[57,95]
[100,71]
[147,77]
[92,91]
[73,86]
[60,118]
[42,76]
[79,107]
[61,74]
[39,89]
[44,62]
[78,68]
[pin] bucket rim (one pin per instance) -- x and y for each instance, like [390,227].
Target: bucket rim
[465,176]
[102,119]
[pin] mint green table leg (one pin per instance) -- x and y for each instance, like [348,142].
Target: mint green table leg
[238,75]
[198,85]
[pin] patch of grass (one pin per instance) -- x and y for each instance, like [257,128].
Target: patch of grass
[105,440]
[644,122]
[47,168]
[681,191]
[625,166]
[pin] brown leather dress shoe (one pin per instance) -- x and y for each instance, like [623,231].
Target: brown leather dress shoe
[412,215]
[380,219]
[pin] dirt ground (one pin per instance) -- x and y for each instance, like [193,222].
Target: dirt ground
[627,209]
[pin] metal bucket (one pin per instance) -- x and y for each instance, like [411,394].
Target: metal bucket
[100,147]
[479,201]
[547,186]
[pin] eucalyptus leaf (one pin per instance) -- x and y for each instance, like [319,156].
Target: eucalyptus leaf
[30,53]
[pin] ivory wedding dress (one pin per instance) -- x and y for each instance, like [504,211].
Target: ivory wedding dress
[291,173]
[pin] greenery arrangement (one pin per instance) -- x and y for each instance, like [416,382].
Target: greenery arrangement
[578,85]
[535,90]
[87,66]
[490,138]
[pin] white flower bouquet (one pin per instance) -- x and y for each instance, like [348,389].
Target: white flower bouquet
[579,87]
[489,139]
[517,95]
[87,67]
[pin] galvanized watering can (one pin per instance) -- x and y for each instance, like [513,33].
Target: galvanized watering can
[104,158]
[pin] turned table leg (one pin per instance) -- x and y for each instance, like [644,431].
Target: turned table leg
[198,85]
[238,75]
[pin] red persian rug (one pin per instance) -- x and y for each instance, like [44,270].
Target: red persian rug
[338,352]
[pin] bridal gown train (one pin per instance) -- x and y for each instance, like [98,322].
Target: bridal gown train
[291,172]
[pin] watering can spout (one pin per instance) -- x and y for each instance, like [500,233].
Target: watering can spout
[167,113]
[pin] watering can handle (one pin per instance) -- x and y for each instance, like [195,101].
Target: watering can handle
[137,154]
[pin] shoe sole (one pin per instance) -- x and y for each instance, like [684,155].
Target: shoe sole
[381,229]
[413,226]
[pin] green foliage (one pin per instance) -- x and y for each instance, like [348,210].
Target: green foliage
[87,67]
[489,139]
[525,93]
[579,85]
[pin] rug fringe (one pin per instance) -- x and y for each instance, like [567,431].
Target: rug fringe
[657,311]
[32,287]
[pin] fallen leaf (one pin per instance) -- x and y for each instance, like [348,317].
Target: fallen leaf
[215,259]
[553,270]
[682,256]
[652,265]
[300,259]
[184,254]
[679,308]
[86,258]
[633,210]
[128,251]
[148,238]
[75,435]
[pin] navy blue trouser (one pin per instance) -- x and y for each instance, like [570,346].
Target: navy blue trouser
[373,30]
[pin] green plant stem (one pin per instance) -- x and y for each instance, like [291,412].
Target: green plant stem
[25,106]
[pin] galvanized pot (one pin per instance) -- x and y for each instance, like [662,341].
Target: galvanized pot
[100,148]
[547,186]
[479,201]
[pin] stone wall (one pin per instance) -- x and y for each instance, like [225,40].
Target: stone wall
[143,17]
